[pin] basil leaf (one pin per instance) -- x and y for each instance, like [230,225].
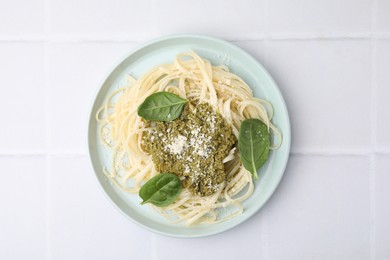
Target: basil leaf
[253,143]
[161,190]
[162,106]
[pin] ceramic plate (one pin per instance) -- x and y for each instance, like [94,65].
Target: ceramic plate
[161,51]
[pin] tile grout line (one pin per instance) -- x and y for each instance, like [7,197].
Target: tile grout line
[153,238]
[47,50]
[264,224]
[373,83]
[83,153]
[372,199]
[76,38]
[43,153]
[153,252]
[373,127]
[339,153]
[152,14]
[48,203]
[264,238]
[266,40]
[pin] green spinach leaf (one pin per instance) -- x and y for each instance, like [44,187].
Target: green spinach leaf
[161,190]
[162,106]
[253,143]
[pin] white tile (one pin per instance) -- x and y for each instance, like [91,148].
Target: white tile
[254,48]
[383,94]
[382,16]
[326,85]
[83,223]
[321,210]
[21,17]
[242,242]
[323,16]
[382,209]
[100,17]
[77,70]
[231,19]
[23,98]
[23,208]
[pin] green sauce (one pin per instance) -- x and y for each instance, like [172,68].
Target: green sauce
[192,147]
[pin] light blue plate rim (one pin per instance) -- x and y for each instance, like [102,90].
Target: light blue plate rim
[282,110]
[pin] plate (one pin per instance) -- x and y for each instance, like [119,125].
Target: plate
[163,50]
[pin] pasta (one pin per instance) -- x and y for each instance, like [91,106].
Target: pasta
[198,81]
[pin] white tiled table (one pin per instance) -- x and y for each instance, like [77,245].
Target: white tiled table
[331,60]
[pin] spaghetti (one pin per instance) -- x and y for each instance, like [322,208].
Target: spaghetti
[198,81]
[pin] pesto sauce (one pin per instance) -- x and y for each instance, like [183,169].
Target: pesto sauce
[192,147]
